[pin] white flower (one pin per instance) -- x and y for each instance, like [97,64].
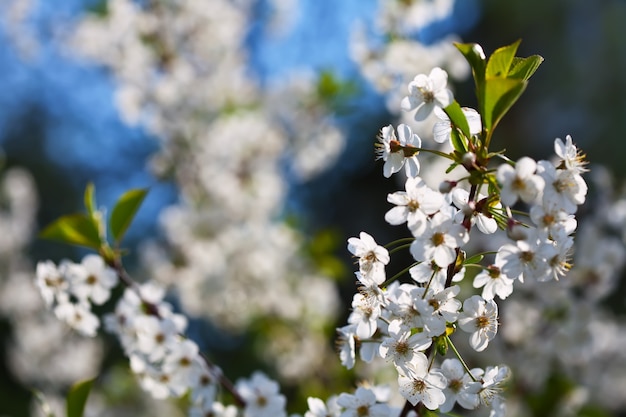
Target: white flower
[477,210]
[261,396]
[92,279]
[317,407]
[422,385]
[204,386]
[362,403]
[78,316]
[365,313]
[479,317]
[526,258]
[519,182]
[183,363]
[213,409]
[570,156]
[51,282]
[155,336]
[443,128]
[554,219]
[372,258]
[346,345]
[429,273]
[401,346]
[460,388]
[565,189]
[492,381]
[439,241]
[399,151]
[414,205]
[427,92]
[493,283]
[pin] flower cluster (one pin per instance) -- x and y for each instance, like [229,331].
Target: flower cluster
[71,288]
[410,323]
[526,209]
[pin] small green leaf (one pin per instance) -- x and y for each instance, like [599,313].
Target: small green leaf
[77,398]
[457,141]
[500,61]
[524,68]
[425,412]
[500,94]
[457,118]
[474,259]
[124,211]
[90,198]
[475,56]
[75,229]
[452,166]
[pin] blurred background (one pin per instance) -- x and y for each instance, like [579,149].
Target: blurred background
[253,122]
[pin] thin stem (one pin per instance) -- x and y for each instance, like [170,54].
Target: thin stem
[398,241]
[398,248]
[436,152]
[458,355]
[399,274]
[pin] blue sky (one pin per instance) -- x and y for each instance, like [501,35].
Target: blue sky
[85,136]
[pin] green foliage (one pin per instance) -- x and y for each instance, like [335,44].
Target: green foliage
[499,81]
[90,199]
[523,68]
[88,229]
[459,123]
[124,211]
[476,259]
[334,92]
[99,8]
[74,229]
[77,398]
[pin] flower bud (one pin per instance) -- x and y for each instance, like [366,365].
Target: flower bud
[469,160]
[447,186]
[516,230]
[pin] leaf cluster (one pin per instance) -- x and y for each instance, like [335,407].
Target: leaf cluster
[90,229]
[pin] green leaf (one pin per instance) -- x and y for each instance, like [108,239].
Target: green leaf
[90,198]
[75,229]
[425,412]
[77,398]
[457,118]
[474,259]
[125,210]
[457,142]
[524,68]
[500,61]
[500,94]
[475,56]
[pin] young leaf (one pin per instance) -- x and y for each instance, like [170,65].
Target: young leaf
[124,212]
[474,259]
[500,61]
[77,398]
[524,68]
[500,94]
[458,143]
[457,118]
[475,56]
[75,229]
[90,198]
